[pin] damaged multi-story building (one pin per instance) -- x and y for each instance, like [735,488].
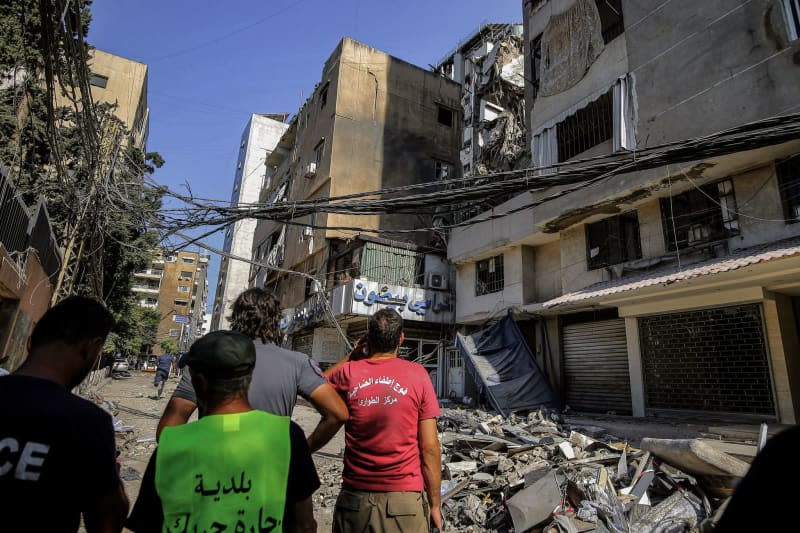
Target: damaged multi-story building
[372,122]
[670,289]
[489,65]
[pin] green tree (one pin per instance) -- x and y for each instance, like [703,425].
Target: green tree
[168,346]
[127,208]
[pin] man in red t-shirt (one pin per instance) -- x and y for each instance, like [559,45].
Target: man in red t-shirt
[392,458]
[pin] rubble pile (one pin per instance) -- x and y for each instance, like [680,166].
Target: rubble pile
[536,473]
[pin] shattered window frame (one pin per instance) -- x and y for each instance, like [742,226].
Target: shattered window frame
[788,173]
[536,63]
[489,275]
[444,112]
[319,150]
[587,127]
[611,19]
[616,240]
[791,9]
[443,170]
[323,95]
[700,216]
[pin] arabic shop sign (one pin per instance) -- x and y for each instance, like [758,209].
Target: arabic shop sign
[413,303]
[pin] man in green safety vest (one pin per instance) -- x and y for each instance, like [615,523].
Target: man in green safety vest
[236,469]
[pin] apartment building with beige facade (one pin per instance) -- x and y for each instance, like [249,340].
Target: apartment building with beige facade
[176,286]
[373,121]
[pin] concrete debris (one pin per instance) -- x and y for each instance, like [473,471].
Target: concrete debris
[536,472]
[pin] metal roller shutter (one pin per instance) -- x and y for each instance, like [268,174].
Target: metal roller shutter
[596,366]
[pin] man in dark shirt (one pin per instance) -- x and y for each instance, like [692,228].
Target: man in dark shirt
[163,368]
[234,467]
[57,452]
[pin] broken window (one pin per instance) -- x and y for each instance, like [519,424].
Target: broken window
[586,128]
[788,172]
[323,96]
[489,275]
[181,303]
[312,285]
[443,170]
[536,63]
[98,80]
[445,116]
[700,215]
[792,10]
[319,149]
[467,168]
[611,21]
[613,240]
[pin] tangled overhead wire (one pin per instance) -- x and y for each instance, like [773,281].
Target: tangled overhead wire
[426,198]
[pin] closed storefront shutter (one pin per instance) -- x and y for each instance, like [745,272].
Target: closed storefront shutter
[712,360]
[596,366]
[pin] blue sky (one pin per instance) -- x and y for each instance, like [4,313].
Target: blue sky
[212,64]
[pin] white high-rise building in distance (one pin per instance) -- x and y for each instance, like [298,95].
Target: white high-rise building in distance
[259,139]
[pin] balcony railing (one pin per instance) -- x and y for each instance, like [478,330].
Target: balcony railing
[14,218]
[20,231]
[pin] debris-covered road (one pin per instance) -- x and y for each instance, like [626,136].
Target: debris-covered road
[510,474]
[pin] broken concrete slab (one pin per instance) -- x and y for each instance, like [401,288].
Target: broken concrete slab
[566,449]
[535,504]
[695,457]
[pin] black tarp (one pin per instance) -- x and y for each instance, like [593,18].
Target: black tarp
[501,363]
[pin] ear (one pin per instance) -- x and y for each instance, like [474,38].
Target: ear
[402,338]
[92,348]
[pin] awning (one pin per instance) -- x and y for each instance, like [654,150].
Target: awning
[666,276]
[501,363]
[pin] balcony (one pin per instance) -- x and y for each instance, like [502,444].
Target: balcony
[150,273]
[145,289]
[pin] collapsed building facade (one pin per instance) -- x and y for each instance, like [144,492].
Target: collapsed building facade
[372,122]
[671,289]
[489,65]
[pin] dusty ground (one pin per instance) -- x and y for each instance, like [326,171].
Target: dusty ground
[138,408]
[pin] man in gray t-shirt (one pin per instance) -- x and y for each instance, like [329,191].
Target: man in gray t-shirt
[279,377]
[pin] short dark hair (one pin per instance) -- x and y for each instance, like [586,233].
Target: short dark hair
[72,320]
[219,391]
[256,314]
[384,330]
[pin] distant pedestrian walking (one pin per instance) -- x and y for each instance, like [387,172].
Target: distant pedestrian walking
[163,368]
[235,469]
[57,451]
[392,461]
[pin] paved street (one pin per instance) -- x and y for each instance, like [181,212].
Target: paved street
[138,407]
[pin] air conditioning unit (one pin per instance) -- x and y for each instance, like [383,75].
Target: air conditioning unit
[436,280]
[311,170]
[314,287]
[308,232]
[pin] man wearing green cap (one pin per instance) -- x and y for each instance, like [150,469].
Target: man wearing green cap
[235,469]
